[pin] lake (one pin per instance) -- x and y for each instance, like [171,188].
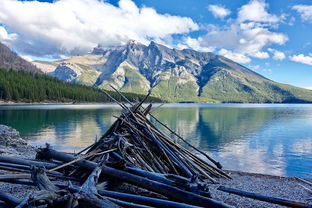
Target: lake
[263,138]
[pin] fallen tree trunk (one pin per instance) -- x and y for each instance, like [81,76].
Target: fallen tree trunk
[261,197]
[164,189]
[144,200]
[11,201]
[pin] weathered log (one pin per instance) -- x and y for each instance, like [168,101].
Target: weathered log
[169,191]
[144,200]
[88,193]
[154,176]
[26,167]
[127,204]
[41,180]
[261,197]
[15,160]
[18,181]
[304,181]
[10,200]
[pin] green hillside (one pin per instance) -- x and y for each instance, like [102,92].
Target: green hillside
[22,86]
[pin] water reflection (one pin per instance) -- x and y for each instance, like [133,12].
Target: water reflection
[272,139]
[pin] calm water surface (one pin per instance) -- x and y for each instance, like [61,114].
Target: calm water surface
[263,138]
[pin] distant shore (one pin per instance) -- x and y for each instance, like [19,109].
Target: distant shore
[49,103]
[2,102]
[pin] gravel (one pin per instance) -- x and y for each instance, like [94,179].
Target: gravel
[274,186]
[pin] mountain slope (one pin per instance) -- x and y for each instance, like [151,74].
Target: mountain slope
[10,60]
[22,86]
[175,75]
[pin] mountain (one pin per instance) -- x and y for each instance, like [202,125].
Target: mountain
[10,60]
[21,81]
[174,75]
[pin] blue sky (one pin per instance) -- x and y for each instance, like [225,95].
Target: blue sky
[272,38]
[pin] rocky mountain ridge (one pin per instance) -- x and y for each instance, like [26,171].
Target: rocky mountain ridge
[174,75]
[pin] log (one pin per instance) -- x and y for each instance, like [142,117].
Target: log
[261,197]
[10,200]
[127,204]
[29,163]
[304,181]
[41,180]
[153,176]
[144,200]
[164,189]
[88,195]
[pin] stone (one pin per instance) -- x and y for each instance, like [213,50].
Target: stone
[10,137]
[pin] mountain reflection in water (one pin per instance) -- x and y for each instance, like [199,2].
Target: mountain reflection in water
[265,138]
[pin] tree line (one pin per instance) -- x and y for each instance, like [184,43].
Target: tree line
[22,86]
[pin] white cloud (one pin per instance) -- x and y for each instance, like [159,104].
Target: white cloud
[219,11]
[256,10]
[76,26]
[305,11]
[248,35]
[277,55]
[5,36]
[309,88]
[302,59]
[267,70]
[260,55]
[195,44]
[255,67]
[27,58]
[240,58]
[246,38]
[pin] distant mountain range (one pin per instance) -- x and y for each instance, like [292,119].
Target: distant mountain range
[172,75]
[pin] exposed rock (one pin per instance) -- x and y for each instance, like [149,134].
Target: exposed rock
[10,137]
[12,144]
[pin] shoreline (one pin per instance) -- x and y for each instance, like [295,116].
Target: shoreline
[9,103]
[269,185]
[288,188]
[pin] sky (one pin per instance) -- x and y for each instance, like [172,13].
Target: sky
[273,38]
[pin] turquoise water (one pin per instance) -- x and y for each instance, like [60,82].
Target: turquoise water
[264,138]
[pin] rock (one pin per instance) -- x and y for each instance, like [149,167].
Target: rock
[10,137]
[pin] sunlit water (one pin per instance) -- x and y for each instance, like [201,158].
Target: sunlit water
[263,138]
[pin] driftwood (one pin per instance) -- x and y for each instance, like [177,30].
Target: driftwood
[170,191]
[144,200]
[261,197]
[11,201]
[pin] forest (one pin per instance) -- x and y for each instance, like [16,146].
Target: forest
[22,86]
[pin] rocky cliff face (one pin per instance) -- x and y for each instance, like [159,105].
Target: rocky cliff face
[175,75]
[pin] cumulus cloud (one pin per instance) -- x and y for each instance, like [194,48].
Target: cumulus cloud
[305,11]
[246,38]
[255,67]
[219,11]
[194,43]
[260,55]
[256,10]
[277,55]
[239,58]
[302,59]
[5,36]
[76,26]
[248,35]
